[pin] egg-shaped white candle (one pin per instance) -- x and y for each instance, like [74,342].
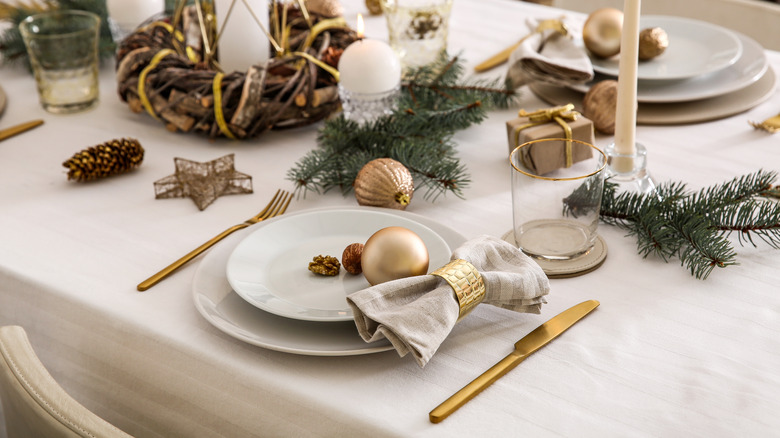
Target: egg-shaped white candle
[369,67]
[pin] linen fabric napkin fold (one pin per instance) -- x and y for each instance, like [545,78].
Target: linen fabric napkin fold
[548,57]
[417,313]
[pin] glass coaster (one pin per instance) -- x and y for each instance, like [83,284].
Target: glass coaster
[570,268]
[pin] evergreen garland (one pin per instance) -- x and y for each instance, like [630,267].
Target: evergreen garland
[12,46]
[434,103]
[695,227]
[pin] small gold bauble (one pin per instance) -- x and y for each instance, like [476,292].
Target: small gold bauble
[392,253]
[384,182]
[652,42]
[374,7]
[600,106]
[601,32]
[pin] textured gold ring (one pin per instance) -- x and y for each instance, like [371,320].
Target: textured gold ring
[467,283]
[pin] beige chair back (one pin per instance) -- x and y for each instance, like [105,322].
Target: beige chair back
[34,405]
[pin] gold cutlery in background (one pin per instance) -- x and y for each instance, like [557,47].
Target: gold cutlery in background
[771,125]
[533,341]
[18,129]
[502,56]
[277,206]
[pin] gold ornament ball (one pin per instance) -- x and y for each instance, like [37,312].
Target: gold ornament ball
[653,41]
[600,106]
[384,182]
[601,32]
[392,253]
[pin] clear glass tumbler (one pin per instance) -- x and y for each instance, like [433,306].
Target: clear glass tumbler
[555,215]
[417,29]
[63,50]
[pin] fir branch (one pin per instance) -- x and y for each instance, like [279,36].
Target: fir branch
[694,227]
[435,103]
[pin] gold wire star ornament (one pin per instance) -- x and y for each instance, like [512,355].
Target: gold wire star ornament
[203,182]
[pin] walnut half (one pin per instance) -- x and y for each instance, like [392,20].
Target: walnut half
[325,265]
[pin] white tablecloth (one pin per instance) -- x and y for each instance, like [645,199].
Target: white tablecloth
[664,355]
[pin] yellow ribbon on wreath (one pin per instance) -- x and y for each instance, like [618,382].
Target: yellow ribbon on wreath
[559,114]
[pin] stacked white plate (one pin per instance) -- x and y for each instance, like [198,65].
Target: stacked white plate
[255,285]
[707,72]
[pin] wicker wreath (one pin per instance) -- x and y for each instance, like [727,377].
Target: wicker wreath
[162,71]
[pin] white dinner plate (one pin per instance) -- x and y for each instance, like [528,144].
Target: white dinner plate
[269,269]
[677,113]
[695,48]
[224,309]
[750,66]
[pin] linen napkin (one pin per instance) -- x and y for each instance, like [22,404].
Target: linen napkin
[548,57]
[417,313]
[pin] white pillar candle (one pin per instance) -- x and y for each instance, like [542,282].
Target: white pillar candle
[369,66]
[242,42]
[128,14]
[625,119]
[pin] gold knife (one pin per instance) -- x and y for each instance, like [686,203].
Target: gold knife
[523,348]
[18,129]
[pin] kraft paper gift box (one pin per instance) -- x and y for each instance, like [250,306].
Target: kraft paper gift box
[545,157]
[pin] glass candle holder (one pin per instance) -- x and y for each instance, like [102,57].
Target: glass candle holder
[63,51]
[417,29]
[556,215]
[367,107]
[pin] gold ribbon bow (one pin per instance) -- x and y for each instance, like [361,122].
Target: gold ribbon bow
[559,114]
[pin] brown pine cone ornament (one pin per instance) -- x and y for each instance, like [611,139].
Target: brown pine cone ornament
[110,158]
[384,182]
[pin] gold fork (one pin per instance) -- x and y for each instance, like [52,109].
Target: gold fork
[771,124]
[277,206]
[502,56]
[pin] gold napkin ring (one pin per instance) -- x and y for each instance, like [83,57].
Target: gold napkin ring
[467,283]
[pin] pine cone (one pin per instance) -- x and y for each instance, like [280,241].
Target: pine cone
[109,158]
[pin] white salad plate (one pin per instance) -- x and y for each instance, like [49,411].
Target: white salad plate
[749,68]
[269,268]
[216,301]
[695,48]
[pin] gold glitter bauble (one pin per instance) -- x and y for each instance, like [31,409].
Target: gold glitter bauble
[327,8]
[384,182]
[374,7]
[392,253]
[600,106]
[601,32]
[652,42]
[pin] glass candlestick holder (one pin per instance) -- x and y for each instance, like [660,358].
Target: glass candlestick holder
[629,171]
[367,107]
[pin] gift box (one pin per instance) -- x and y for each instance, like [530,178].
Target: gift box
[558,122]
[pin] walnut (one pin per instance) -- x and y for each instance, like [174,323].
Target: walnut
[325,265]
[351,258]
[600,106]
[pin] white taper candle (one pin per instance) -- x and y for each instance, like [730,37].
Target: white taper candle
[625,119]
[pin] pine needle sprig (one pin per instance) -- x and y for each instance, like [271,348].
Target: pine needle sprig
[695,227]
[435,102]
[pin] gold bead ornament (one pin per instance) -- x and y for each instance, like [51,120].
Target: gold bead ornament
[392,253]
[652,42]
[601,32]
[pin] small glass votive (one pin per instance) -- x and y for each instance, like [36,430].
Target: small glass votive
[63,50]
[367,107]
[555,215]
[417,29]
